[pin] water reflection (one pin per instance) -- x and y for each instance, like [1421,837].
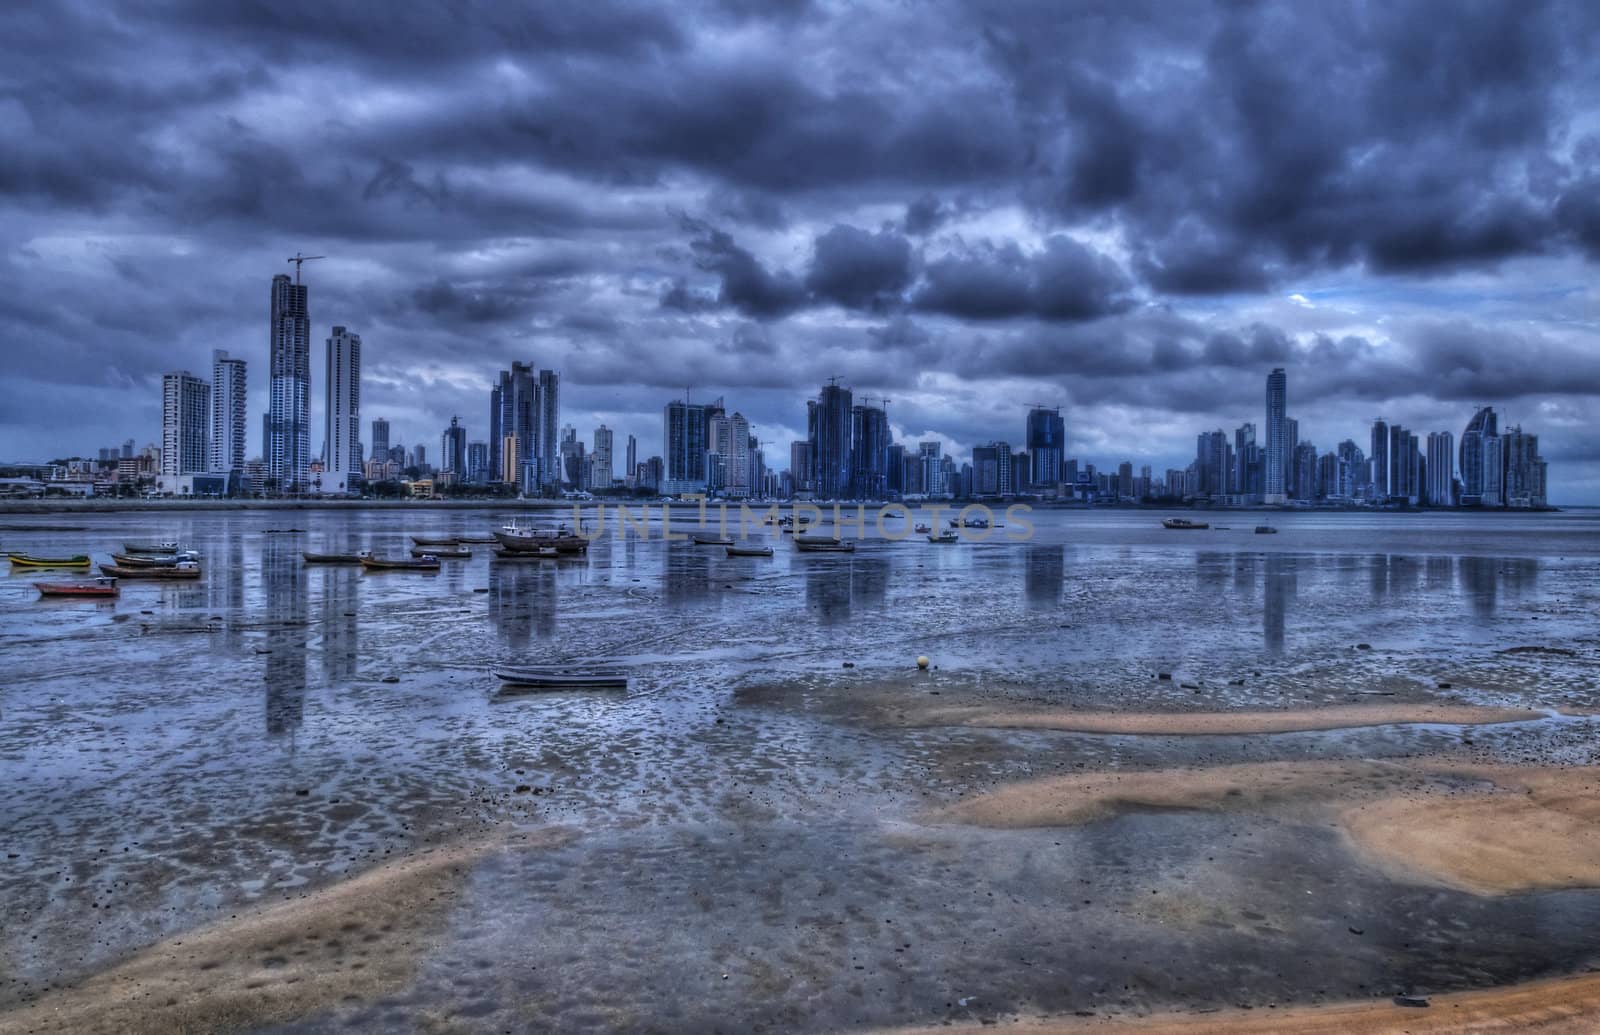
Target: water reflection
[284,585]
[341,587]
[1483,579]
[836,586]
[1044,575]
[686,574]
[522,600]
[1281,581]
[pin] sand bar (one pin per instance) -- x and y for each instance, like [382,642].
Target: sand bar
[1180,724]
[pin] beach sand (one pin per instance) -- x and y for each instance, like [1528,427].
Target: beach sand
[1178,724]
[359,939]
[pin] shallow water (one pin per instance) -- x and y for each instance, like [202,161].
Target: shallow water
[192,748]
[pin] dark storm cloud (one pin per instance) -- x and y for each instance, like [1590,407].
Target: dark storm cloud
[1102,197]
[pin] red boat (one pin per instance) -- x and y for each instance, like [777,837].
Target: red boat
[102,587]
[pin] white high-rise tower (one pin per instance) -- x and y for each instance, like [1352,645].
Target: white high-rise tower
[342,466]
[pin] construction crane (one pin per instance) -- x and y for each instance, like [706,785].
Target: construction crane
[1042,406]
[297,259]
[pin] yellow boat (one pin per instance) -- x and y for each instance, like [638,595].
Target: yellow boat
[22,560]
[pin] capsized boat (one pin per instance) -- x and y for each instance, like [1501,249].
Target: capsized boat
[99,587]
[424,563]
[556,677]
[181,570]
[336,558]
[443,553]
[823,544]
[749,551]
[23,560]
[160,560]
[1183,523]
[167,547]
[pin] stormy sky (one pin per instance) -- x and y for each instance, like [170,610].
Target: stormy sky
[1132,210]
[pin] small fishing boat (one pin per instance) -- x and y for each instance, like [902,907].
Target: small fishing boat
[478,539]
[23,560]
[541,553]
[150,547]
[336,558]
[823,544]
[100,587]
[1266,530]
[749,551]
[551,677]
[1183,523]
[160,560]
[522,537]
[945,537]
[427,562]
[971,522]
[422,540]
[710,539]
[787,521]
[443,553]
[924,529]
[181,570]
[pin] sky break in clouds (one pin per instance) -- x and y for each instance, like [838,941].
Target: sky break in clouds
[1133,210]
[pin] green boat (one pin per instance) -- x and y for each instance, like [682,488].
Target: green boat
[22,560]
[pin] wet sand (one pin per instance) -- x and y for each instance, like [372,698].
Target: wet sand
[359,939]
[1181,724]
[1560,1006]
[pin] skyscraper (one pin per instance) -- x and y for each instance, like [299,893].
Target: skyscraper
[1380,459]
[380,439]
[453,449]
[602,470]
[1211,463]
[1047,442]
[1524,469]
[1441,464]
[477,462]
[185,419]
[288,445]
[630,470]
[342,416]
[547,420]
[830,442]
[685,439]
[1475,482]
[728,442]
[227,413]
[869,451]
[1277,436]
[933,471]
[524,418]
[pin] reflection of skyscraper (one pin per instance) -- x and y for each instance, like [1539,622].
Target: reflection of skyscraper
[1277,436]
[1278,589]
[522,600]
[283,579]
[288,446]
[1044,575]
[340,598]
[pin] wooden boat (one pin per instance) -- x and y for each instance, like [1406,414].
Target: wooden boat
[452,553]
[1183,523]
[422,540]
[971,522]
[710,539]
[945,537]
[23,560]
[924,529]
[1266,530]
[523,538]
[551,677]
[153,560]
[543,553]
[100,587]
[749,551]
[823,544]
[181,570]
[427,563]
[150,547]
[336,558]
[480,539]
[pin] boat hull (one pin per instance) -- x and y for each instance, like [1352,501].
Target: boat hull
[379,564]
[824,545]
[561,679]
[332,558]
[442,555]
[20,560]
[116,572]
[533,543]
[150,547]
[441,541]
[749,551]
[75,589]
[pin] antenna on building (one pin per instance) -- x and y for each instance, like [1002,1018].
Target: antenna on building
[298,259]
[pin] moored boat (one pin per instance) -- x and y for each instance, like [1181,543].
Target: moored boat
[1266,530]
[478,539]
[1183,523]
[443,553]
[336,558]
[166,547]
[104,586]
[945,537]
[425,563]
[181,570]
[924,529]
[541,553]
[562,678]
[423,540]
[749,551]
[162,560]
[823,544]
[23,560]
[523,538]
[710,539]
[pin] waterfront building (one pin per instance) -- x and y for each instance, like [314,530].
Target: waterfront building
[1211,464]
[227,415]
[601,467]
[1046,439]
[1379,458]
[342,414]
[380,439]
[477,462]
[1474,455]
[1278,450]
[829,432]
[1304,471]
[288,418]
[547,420]
[630,468]
[685,441]
[1441,469]
[800,465]
[185,424]
[1524,470]
[453,450]
[869,451]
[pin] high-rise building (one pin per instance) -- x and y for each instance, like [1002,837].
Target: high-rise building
[380,439]
[453,449]
[1047,443]
[1524,469]
[525,410]
[601,468]
[728,446]
[288,427]
[1211,464]
[830,428]
[227,414]
[800,464]
[548,420]
[1494,471]
[1474,450]
[869,451]
[1304,470]
[1380,459]
[630,470]
[685,439]
[185,422]
[477,462]
[342,416]
[1441,469]
[933,479]
[1277,454]
[895,482]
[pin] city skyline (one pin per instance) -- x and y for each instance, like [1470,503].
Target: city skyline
[989,229]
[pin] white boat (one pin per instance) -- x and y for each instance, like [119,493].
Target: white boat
[823,544]
[527,539]
[710,539]
[945,537]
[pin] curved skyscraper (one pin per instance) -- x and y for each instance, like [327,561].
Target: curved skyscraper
[1480,465]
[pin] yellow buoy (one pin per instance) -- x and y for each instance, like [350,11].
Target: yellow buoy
[922,661]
